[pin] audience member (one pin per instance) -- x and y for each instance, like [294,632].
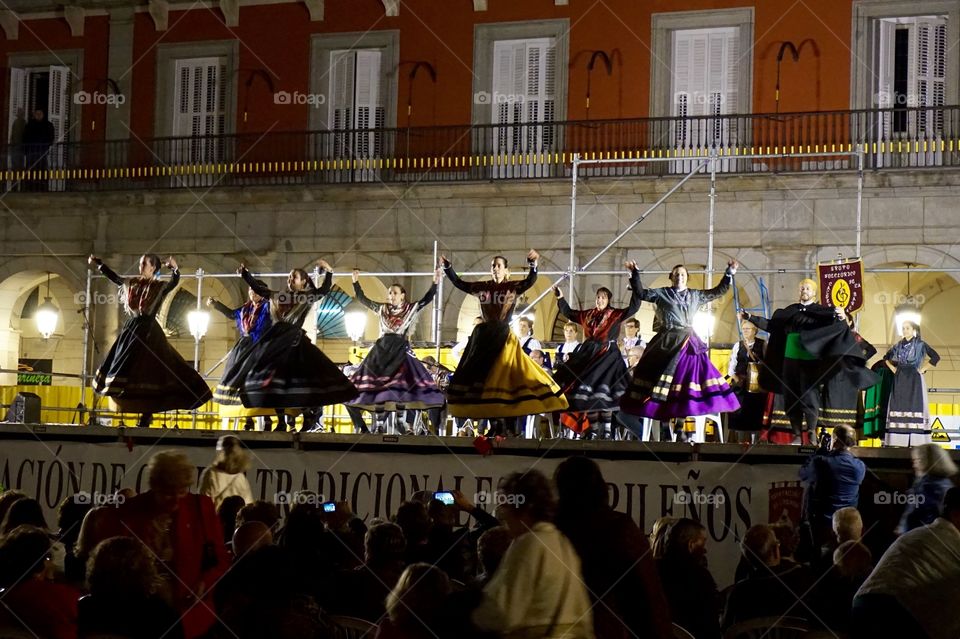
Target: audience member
[658,536]
[262,511]
[227,512]
[618,571]
[124,597]
[249,537]
[227,476]
[414,520]
[416,606]
[691,592]
[832,481]
[491,547]
[31,600]
[538,589]
[28,512]
[183,532]
[912,590]
[361,592]
[70,515]
[770,590]
[933,469]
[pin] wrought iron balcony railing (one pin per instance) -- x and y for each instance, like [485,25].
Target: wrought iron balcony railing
[890,138]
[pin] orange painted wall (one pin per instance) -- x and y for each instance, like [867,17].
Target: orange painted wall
[275,43]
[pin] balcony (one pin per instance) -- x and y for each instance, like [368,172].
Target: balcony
[793,142]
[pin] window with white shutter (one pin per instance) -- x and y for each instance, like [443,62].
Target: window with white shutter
[357,105]
[523,101]
[912,74]
[199,109]
[705,86]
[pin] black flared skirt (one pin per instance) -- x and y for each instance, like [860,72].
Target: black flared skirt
[286,370]
[143,373]
[594,378]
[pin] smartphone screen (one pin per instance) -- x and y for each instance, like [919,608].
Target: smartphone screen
[329,507]
[444,496]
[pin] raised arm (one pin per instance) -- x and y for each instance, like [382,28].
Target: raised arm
[427,297]
[531,278]
[635,289]
[466,287]
[223,309]
[174,275]
[105,270]
[258,288]
[760,322]
[363,299]
[720,289]
[564,308]
[327,279]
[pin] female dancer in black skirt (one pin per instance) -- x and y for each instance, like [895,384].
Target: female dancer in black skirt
[390,377]
[743,372]
[143,373]
[495,378]
[253,320]
[285,369]
[595,375]
[908,422]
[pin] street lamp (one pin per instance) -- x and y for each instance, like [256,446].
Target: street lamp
[355,319]
[199,322]
[47,315]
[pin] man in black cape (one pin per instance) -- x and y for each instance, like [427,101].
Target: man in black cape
[809,344]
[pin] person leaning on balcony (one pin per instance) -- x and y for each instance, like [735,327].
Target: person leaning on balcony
[142,373]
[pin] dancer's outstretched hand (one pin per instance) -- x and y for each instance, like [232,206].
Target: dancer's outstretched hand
[443,261]
[631,265]
[325,265]
[436,276]
[93,260]
[209,301]
[171,263]
[742,314]
[533,256]
[558,292]
[356,276]
[241,268]
[733,265]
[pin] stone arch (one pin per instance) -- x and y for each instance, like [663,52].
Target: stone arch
[19,277]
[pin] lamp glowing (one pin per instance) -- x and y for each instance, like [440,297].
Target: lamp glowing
[198,321]
[703,324]
[355,320]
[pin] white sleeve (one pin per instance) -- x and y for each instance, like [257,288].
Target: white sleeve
[508,595]
[732,366]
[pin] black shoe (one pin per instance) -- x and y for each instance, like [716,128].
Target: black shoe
[248,424]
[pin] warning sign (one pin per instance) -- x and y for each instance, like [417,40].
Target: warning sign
[938,433]
[841,284]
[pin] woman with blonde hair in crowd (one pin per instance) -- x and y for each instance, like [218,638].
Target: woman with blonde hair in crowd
[227,475]
[658,536]
[933,469]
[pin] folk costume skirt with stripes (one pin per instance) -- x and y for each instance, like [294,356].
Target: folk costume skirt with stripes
[675,378]
[143,373]
[287,371]
[235,371]
[390,377]
[496,378]
[875,401]
[594,378]
[907,407]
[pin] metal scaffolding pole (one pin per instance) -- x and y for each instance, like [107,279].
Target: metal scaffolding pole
[573,222]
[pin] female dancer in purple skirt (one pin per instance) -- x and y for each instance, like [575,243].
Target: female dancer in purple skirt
[674,377]
[390,377]
[143,373]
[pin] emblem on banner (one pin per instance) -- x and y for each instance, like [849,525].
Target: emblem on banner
[841,284]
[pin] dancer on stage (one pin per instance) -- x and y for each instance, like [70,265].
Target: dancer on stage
[285,369]
[908,418]
[143,373]
[743,372]
[495,378]
[391,378]
[840,403]
[595,376]
[253,320]
[675,377]
[806,340]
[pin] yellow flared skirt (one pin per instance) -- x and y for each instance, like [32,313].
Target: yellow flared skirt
[514,387]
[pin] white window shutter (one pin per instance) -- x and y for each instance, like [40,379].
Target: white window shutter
[58,101]
[367,100]
[199,97]
[18,97]
[342,76]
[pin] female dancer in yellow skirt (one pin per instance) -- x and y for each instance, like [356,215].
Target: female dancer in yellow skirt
[495,377]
